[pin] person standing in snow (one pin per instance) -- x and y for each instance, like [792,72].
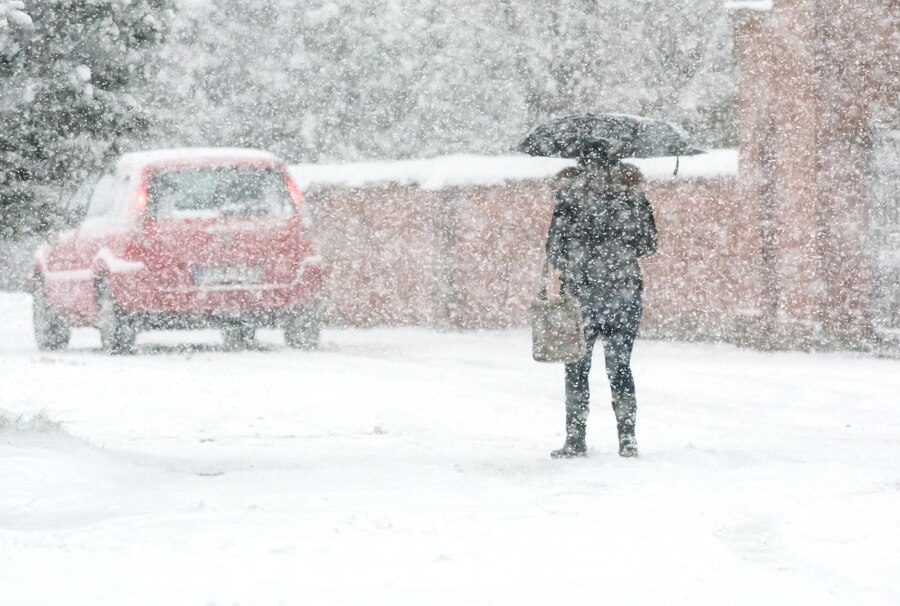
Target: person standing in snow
[601,225]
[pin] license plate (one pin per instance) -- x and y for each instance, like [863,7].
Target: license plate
[226,276]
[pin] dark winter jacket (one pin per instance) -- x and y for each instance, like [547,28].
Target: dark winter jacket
[601,225]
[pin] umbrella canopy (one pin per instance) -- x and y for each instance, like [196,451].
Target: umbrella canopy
[610,135]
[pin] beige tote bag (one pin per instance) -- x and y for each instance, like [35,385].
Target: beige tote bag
[557,334]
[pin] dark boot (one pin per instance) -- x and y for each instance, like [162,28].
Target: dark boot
[625,407]
[575,445]
[627,442]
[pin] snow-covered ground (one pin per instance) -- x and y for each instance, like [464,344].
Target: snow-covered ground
[410,467]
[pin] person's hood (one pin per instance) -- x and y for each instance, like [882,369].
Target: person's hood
[618,177]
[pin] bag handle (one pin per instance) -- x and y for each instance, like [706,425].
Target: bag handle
[542,295]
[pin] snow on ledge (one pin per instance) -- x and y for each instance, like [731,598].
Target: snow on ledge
[749,5]
[432,173]
[714,164]
[471,170]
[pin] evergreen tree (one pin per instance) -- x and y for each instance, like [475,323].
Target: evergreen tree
[12,13]
[69,99]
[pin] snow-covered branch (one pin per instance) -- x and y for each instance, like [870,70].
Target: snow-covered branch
[12,14]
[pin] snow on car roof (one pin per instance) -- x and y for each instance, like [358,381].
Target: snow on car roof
[185,154]
[472,170]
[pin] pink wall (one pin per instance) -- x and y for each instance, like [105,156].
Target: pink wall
[471,257]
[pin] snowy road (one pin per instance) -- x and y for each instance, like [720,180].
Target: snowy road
[410,467]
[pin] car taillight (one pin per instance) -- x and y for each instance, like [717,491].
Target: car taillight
[302,209]
[296,195]
[140,198]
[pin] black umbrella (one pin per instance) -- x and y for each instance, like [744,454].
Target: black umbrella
[610,135]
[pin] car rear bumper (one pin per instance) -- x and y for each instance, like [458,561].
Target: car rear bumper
[146,294]
[193,320]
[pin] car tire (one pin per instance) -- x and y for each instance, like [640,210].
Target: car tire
[50,331]
[302,330]
[238,336]
[117,330]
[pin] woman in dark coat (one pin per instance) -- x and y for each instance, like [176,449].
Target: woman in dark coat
[601,225]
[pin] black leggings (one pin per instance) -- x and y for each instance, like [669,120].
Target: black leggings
[617,323]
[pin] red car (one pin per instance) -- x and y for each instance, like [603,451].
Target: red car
[183,238]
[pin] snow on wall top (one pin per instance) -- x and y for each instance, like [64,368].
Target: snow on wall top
[431,173]
[715,163]
[749,5]
[471,170]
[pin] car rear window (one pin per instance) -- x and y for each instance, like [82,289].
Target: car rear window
[219,191]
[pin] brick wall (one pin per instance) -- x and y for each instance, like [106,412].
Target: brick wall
[817,80]
[471,257]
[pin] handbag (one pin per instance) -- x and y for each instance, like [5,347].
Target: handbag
[557,331]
